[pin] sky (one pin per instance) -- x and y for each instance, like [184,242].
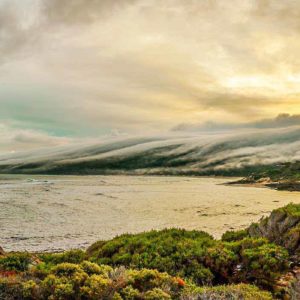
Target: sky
[86,69]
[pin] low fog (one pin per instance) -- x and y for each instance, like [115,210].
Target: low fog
[175,153]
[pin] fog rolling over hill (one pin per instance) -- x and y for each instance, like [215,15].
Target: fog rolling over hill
[190,153]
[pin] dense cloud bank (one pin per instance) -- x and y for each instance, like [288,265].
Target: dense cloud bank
[214,153]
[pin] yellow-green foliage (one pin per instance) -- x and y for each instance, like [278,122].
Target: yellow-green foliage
[92,268]
[228,292]
[15,261]
[29,289]
[65,279]
[156,294]
[129,293]
[96,286]
[291,209]
[232,236]
[247,260]
[87,280]
[145,279]
[178,252]
[71,256]
[196,256]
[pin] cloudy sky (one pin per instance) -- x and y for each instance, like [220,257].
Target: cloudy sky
[74,69]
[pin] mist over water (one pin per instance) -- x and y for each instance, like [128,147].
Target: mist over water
[173,153]
[52,213]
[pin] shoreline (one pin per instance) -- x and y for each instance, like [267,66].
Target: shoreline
[289,186]
[111,205]
[285,185]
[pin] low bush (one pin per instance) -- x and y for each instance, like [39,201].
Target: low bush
[228,292]
[178,252]
[15,262]
[71,256]
[87,281]
[232,236]
[196,256]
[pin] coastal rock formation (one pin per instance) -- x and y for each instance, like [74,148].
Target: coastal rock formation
[281,227]
[1,251]
[292,186]
[282,185]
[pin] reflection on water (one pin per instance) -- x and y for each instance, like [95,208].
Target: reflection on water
[43,213]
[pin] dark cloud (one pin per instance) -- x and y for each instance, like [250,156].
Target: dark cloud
[281,121]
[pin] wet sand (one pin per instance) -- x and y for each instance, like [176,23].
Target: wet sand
[52,213]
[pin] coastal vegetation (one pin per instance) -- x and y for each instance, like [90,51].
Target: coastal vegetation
[260,262]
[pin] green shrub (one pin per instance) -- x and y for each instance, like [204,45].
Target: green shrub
[264,264]
[129,293]
[145,279]
[71,256]
[65,280]
[259,261]
[228,292]
[89,281]
[178,252]
[117,296]
[196,256]
[96,287]
[29,289]
[92,268]
[156,294]
[291,209]
[41,270]
[15,262]
[232,236]
[63,291]
[221,261]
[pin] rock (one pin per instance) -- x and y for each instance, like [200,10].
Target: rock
[288,285]
[264,180]
[2,251]
[281,227]
[246,180]
[291,186]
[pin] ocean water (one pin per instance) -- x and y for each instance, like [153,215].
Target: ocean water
[54,213]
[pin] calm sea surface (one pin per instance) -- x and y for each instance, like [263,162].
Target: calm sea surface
[44,213]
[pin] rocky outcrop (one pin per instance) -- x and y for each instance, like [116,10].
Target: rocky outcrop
[281,227]
[281,185]
[292,186]
[288,285]
[2,251]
